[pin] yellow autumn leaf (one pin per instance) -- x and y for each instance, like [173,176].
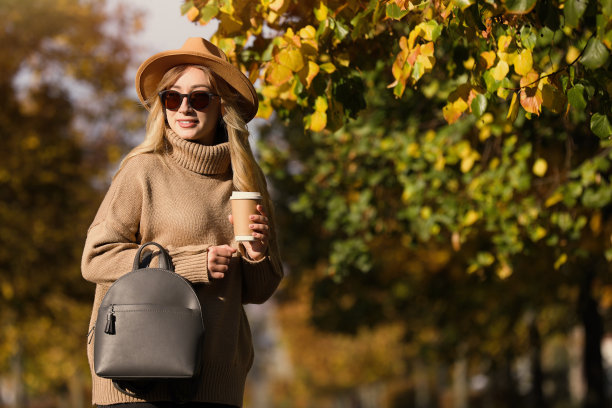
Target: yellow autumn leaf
[504,271]
[501,70]
[318,121]
[540,167]
[509,57]
[523,62]
[572,54]
[321,104]
[470,218]
[307,33]
[227,45]
[277,5]
[531,80]
[487,59]
[328,67]
[343,59]
[503,43]
[265,109]
[414,34]
[560,261]
[427,62]
[539,233]
[269,91]
[531,100]
[313,70]
[469,63]
[514,108]
[193,13]
[468,162]
[426,31]
[277,74]
[553,199]
[427,49]
[530,94]
[321,12]
[291,58]
[453,110]
[413,150]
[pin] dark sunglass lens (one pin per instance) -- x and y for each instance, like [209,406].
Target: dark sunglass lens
[199,100]
[172,100]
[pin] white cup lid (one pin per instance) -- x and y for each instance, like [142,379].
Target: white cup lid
[245,195]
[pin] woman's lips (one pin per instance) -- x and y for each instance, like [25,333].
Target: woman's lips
[187,123]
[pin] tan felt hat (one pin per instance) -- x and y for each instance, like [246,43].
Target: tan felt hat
[196,51]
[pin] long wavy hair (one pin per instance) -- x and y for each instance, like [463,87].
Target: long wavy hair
[247,175]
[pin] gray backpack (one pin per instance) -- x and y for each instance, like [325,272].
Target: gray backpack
[149,327]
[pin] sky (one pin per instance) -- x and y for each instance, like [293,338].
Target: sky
[164,26]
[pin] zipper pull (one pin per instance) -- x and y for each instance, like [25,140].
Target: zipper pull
[110,321]
[90,334]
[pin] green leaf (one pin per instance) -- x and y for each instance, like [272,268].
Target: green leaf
[608,254]
[394,11]
[597,198]
[479,105]
[528,37]
[491,83]
[208,13]
[595,55]
[341,30]
[573,11]
[186,6]
[520,6]
[576,97]
[600,125]
[606,7]
[463,4]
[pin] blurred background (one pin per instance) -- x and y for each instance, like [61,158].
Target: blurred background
[445,225]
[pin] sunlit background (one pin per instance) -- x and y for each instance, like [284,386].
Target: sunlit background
[436,254]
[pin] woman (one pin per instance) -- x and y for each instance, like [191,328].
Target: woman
[174,189]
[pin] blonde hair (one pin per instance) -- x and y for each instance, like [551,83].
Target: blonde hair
[247,175]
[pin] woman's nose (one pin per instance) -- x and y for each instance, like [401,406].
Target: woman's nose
[184,105]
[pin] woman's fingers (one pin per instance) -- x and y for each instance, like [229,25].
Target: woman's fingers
[219,258]
[260,224]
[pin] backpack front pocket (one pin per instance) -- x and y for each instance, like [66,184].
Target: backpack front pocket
[131,343]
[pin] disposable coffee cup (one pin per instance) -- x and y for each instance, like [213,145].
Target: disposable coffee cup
[244,204]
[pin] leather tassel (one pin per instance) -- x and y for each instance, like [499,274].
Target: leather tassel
[110,322]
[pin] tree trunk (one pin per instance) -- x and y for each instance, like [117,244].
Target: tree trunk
[460,383]
[537,376]
[18,399]
[421,384]
[593,333]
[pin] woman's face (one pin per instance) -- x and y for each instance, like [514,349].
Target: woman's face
[188,123]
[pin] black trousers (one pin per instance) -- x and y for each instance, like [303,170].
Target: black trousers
[167,405]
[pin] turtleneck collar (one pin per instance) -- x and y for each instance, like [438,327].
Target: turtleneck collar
[199,158]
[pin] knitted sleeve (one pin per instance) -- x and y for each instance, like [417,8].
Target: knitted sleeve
[190,262]
[259,279]
[111,242]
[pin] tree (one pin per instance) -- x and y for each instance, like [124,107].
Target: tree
[482,128]
[55,153]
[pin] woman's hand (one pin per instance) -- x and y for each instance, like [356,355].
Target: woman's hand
[219,258]
[257,249]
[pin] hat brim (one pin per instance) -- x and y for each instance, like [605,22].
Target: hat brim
[151,71]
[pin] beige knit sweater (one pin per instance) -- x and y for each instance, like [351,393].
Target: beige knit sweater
[180,199]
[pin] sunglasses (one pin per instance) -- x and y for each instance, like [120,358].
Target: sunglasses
[198,100]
